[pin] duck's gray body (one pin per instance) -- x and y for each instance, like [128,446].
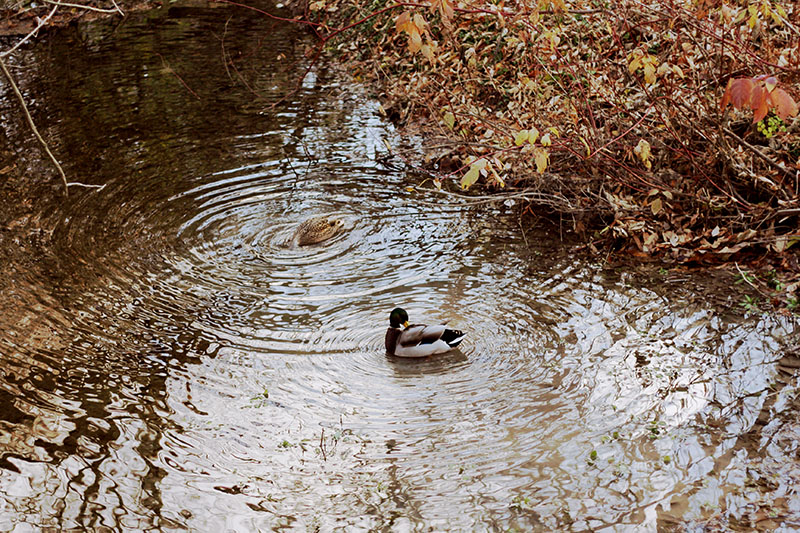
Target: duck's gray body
[418,340]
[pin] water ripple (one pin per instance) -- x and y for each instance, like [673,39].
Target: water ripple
[170,358]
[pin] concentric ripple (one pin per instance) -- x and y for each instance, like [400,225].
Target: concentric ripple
[171,360]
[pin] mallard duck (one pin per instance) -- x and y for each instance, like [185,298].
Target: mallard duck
[315,230]
[418,340]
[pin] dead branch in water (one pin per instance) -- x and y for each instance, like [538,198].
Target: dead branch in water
[88,8]
[18,93]
[33,126]
[42,22]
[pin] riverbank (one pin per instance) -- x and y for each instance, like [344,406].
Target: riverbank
[168,362]
[609,123]
[605,123]
[21,18]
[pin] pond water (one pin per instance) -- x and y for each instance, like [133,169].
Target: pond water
[168,362]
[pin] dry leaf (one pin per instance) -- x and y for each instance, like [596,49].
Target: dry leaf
[542,157]
[655,206]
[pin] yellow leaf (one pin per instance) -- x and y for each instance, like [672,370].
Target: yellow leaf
[546,140]
[553,130]
[649,73]
[643,151]
[470,177]
[533,134]
[655,206]
[446,9]
[634,65]
[542,157]
[588,150]
[497,177]
[402,21]
[520,137]
[480,164]
[419,22]
[427,51]
[780,243]
[414,40]
[449,119]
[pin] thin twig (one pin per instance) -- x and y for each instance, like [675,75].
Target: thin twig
[118,8]
[757,152]
[81,6]
[744,277]
[42,22]
[544,198]
[170,69]
[87,185]
[33,126]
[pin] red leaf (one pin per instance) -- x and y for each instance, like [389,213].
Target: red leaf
[759,104]
[784,105]
[741,92]
[758,97]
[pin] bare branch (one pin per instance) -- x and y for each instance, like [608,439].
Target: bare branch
[757,152]
[42,22]
[81,6]
[33,126]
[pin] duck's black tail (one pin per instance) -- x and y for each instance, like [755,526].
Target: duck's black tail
[452,337]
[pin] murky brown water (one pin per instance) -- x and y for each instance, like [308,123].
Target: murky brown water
[167,362]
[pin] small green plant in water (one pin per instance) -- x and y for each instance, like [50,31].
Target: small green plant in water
[750,303]
[521,503]
[260,400]
[745,277]
[655,428]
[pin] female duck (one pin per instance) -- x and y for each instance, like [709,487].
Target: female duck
[315,230]
[418,340]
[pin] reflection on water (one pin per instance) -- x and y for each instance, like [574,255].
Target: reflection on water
[170,360]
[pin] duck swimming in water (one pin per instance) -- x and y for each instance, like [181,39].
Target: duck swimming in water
[418,340]
[315,230]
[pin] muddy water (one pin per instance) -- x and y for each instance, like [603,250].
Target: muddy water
[168,360]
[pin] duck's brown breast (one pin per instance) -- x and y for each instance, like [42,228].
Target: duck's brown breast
[316,230]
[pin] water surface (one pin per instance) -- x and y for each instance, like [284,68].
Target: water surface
[169,361]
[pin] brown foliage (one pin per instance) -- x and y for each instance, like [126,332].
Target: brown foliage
[760,94]
[608,117]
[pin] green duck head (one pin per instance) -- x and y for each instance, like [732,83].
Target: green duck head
[398,317]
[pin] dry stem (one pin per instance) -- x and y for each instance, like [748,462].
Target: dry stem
[33,126]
